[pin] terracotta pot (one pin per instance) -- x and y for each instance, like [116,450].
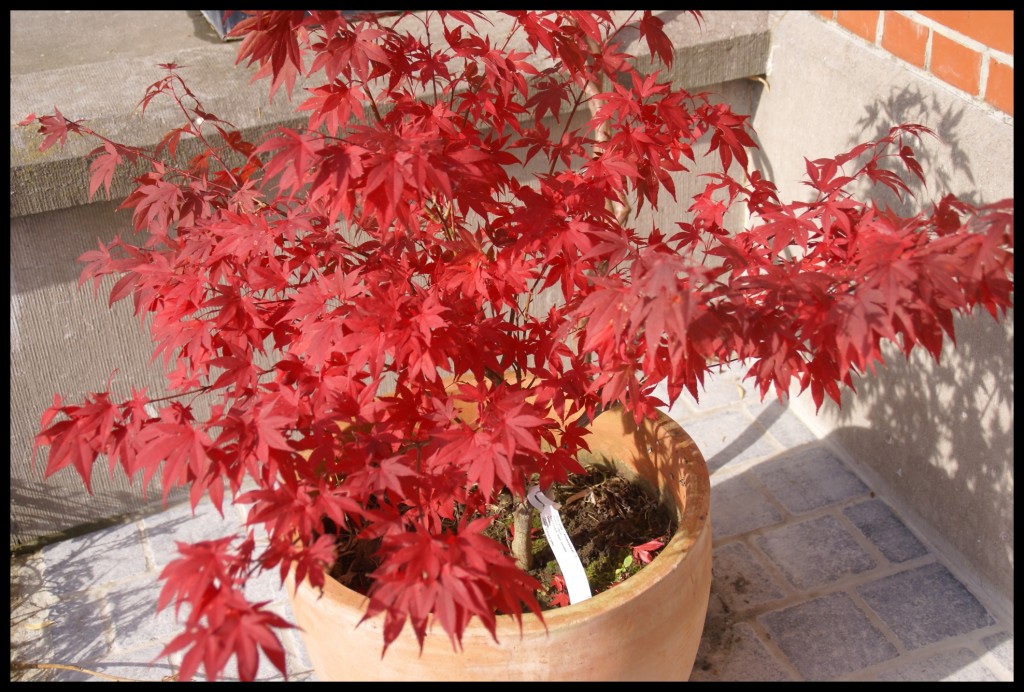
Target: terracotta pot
[647,628]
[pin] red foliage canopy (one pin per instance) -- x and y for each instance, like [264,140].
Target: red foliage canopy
[325,287]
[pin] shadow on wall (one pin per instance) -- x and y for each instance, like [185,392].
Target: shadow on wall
[979,382]
[36,504]
[947,426]
[757,157]
[63,340]
[944,160]
[45,247]
[955,418]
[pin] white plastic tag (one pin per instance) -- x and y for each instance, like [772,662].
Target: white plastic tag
[561,545]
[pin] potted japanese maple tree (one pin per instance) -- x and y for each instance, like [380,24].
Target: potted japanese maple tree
[444,290]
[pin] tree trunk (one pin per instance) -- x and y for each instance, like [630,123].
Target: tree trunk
[522,548]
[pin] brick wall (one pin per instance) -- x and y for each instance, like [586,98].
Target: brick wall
[972,50]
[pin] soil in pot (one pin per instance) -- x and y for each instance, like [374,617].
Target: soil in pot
[605,515]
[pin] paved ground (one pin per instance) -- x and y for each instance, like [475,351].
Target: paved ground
[815,576]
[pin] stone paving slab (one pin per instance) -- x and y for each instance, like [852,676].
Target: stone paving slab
[809,478]
[815,553]
[741,504]
[814,576]
[827,637]
[886,532]
[925,605]
[961,665]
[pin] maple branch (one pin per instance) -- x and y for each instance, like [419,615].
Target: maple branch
[82,130]
[373,102]
[530,295]
[623,209]
[565,129]
[202,389]
[426,28]
[197,127]
[511,32]
[622,26]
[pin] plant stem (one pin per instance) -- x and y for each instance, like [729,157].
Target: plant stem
[522,548]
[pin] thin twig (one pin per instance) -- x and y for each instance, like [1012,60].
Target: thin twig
[17,665]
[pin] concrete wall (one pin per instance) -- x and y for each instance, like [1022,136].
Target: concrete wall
[94,66]
[63,340]
[938,439]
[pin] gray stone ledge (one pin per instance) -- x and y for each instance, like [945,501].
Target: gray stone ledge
[102,80]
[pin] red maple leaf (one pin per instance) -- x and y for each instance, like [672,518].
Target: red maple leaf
[560,597]
[54,128]
[658,43]
[644,552]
